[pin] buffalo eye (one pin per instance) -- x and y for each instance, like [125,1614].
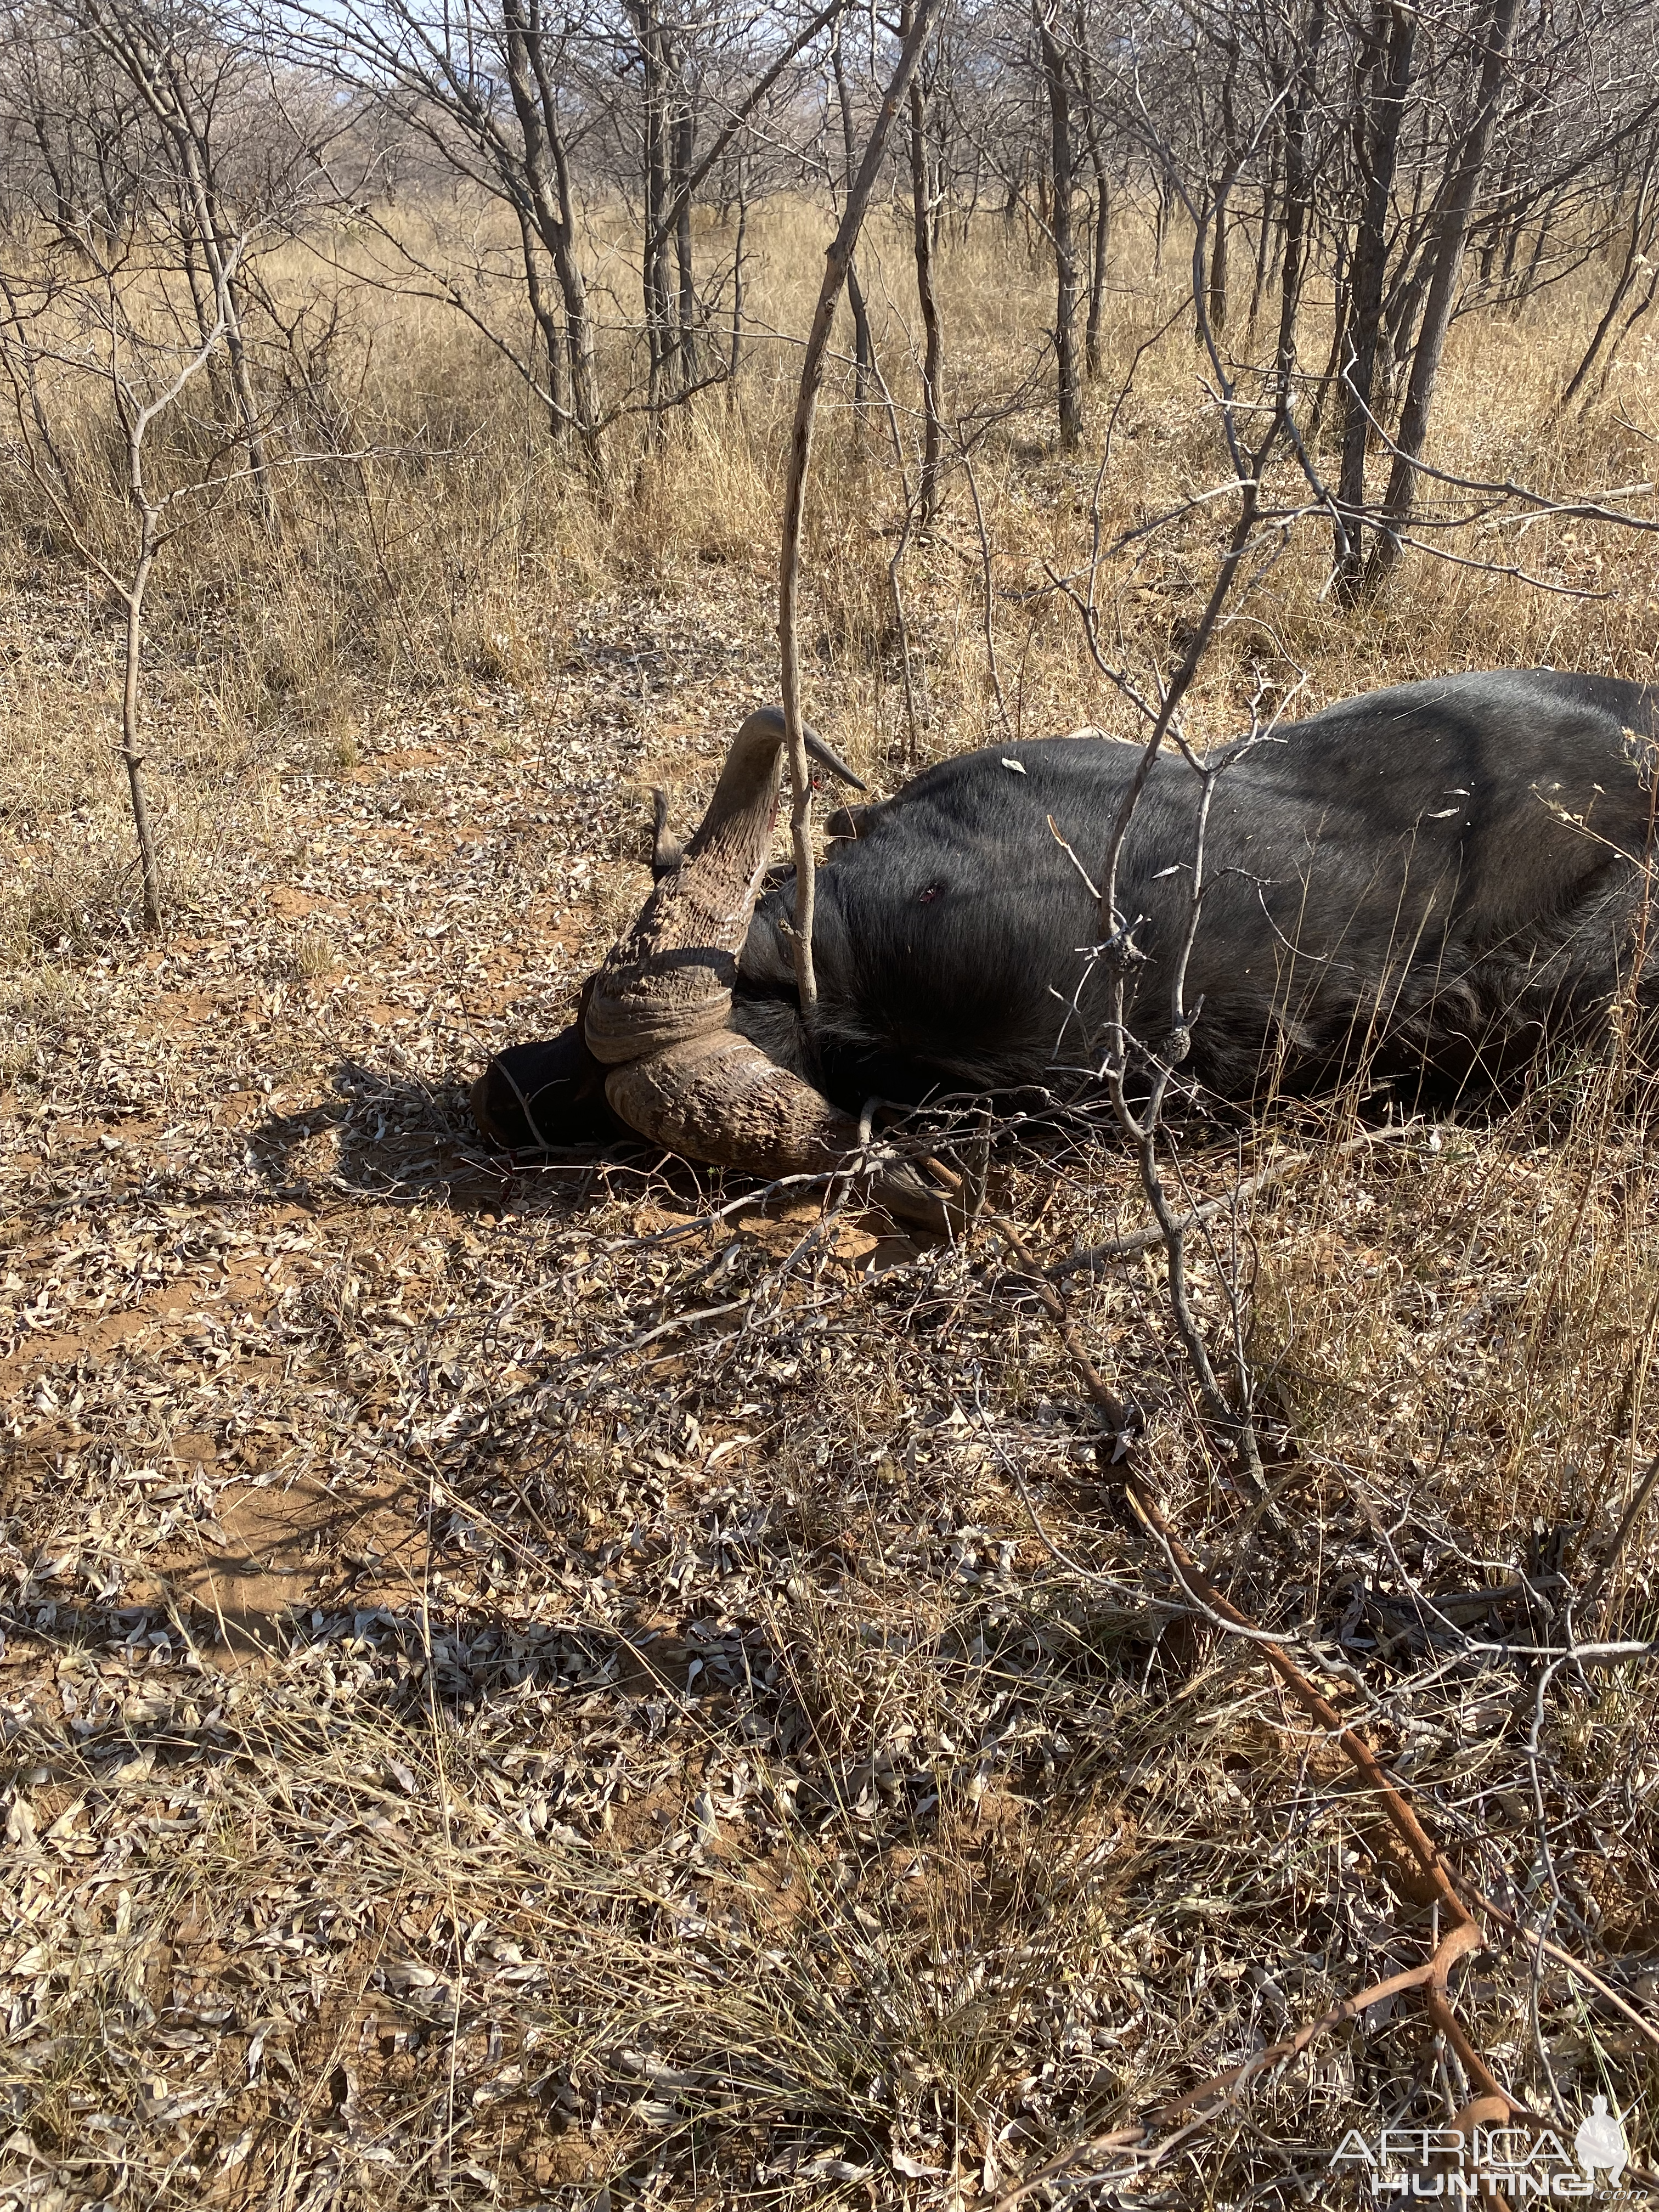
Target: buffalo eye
[927,894]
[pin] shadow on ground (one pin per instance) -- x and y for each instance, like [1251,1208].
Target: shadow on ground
[394,1138]
[386,1136]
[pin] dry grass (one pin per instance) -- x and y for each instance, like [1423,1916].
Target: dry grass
[480,1733]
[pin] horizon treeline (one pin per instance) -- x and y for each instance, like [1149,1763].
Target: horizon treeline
[1338,183]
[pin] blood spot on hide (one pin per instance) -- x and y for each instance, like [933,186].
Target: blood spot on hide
[927,894]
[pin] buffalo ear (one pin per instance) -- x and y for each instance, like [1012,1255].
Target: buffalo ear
[539,1098]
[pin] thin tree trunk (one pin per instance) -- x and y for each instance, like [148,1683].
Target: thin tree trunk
[1511,247]
[1161,226]
[659,336]
[1339,343]
[1264,245]
[1399,326]
[737,284]
[972,208]
[1379,120]
[938,169]
[132,595]
[201,293]
[1638,224]
[932,364]
[1297,200]
[1060,227]
[549,324]
[133,759]
[1443,298]
[1216,303]
[895,561]
[134,422]
[864,351]
[1495,226]
[1218,244]
[685,125]
[837,261]
[1101,242]
[547,172]
[1101,249]
[654,270]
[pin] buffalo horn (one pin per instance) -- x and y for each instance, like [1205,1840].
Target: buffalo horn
[658,1017]
[671,977]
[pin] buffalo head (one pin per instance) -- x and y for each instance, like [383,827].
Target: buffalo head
[655,1051]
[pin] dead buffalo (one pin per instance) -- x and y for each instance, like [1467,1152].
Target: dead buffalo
[1433,879]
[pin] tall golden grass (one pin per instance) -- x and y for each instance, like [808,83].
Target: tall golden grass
[453,549]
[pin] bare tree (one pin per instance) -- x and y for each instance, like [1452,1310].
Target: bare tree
[78,146]
[662,122]
[1382,81]
[1445,267]
[1302,77]
[1100,228]
[922,231]
[1053,47]
[492,100]
[837,264]
[105,333]
[178,70]
[547,217]
[864,351]
[1638,260]
[505,103]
